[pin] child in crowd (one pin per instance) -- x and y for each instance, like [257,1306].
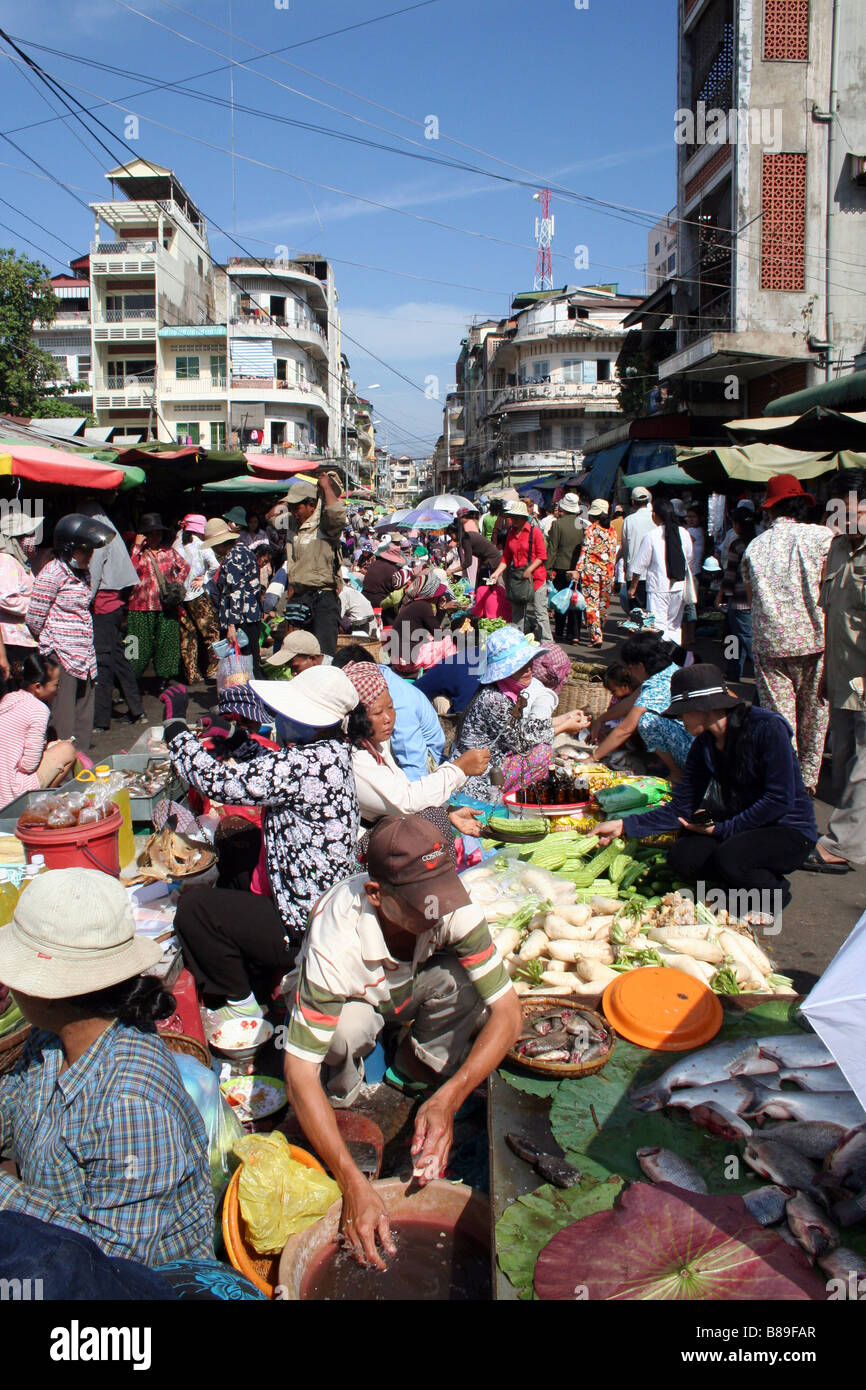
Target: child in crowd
[618,681]
[27,762]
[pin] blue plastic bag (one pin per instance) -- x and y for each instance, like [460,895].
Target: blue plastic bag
[561,600]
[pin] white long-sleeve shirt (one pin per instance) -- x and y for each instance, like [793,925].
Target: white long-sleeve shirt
[385,790]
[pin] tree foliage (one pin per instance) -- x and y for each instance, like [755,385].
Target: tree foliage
[28,374]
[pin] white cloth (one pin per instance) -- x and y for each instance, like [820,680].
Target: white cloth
[664,600]
[634,528]
[203,565]
[356,609]
[546,523]
[385,790]
[699,542]
[541,701]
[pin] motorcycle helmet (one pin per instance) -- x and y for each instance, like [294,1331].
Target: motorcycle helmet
[77,529]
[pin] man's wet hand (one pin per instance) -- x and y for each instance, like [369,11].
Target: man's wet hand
[363,1220]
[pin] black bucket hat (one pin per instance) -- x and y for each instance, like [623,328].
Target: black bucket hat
[151,521]
[698,687]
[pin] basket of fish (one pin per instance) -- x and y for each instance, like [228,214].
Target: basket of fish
[562,1038]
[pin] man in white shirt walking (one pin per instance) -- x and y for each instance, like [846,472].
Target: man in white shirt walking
[634,528]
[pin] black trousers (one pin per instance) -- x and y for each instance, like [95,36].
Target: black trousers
[325,608]
[756,859]
[112,665]
[566,626]
[231,941]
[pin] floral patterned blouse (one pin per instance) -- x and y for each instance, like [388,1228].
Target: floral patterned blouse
[147,598]
[783,566]
[240,588]
[599,550]
[310,821]
[490,722]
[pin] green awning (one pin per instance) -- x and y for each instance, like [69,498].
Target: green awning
[846,392]
[247,483]
[758,463]
[672,476]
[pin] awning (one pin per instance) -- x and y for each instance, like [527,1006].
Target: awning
[273,466]
[247,483]
[179,468]
[816,430]
[642,457]
[845,391]
[671,476]
[56,467]
[602,474]
[758,463]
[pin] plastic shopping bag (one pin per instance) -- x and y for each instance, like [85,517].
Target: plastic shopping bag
[223,1128]
[278,1196]
[234,669]
[561,600]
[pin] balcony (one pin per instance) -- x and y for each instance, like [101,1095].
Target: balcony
[276,327]
[66,318]
[124,326]
[713,317]
[545,461]
[303,393]
[132,257]
[124,392]
[556,393]
[192,388]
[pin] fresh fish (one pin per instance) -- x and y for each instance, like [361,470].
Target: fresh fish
[717,1063]
[540,1047]
[579,1028]
[767,1204]
[812,1227]
[553,1169]
[846,1163]
[792,1050]
[737,1096]
[817,1078]
[837,1107]
[542,1026]
[720,1122]
[851,1211]
[559,1054]
[840,1263]
[781,1165]
[663,1165]
[813,1138]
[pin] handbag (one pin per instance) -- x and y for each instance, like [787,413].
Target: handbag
[518,589]
[171,592]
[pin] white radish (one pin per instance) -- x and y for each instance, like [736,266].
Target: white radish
[535,881]
[672,931]
[689,946]
[577,913]
[558,978]
[521,987]
[601,927]
[581,950]
[507,940]
[512,965]
[732,944]
[759,957]
[535,945]
[605,906]
[698,969]
[558,929]
[595,972]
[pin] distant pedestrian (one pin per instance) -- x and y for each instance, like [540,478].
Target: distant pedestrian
[663,556]
[154,621]
[634,528]
[198,621]
[564,544]
[733,596]
[112,578]
[596,565]
[524,564]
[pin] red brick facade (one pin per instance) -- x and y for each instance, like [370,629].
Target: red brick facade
[786,31]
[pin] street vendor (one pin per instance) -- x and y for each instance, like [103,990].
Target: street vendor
[765,827]
[651,662]
[106,1141]
[401,943]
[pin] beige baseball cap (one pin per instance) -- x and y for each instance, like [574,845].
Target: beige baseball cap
[72,933]
[298,643]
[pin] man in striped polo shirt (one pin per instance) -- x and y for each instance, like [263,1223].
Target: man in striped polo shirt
[405,944]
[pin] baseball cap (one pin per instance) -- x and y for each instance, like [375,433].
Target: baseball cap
[296,644]
[411,854]
[641,494]
[301,492]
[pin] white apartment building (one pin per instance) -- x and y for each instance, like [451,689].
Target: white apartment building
[536,387]
[68,337]
[662,251]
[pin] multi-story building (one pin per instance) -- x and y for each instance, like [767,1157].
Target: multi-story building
[771,139]
[68,337]
[662,251]
[534,388]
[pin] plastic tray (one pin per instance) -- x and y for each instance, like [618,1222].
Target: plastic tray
[142,807]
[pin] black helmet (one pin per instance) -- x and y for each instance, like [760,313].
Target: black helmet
[76,529]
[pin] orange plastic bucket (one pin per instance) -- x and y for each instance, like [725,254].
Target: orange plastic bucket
[93,846]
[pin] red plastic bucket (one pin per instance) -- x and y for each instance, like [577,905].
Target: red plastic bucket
[92,846]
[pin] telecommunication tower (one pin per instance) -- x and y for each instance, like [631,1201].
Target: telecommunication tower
[544,229]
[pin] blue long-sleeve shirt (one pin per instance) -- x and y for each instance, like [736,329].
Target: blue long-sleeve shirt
[417,730]
[773,794]
[456,677]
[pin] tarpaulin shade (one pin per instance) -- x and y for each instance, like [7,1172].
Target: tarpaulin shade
[758,463]
[672,476]
[603,469]
[247,483]
[252,357]
[849,390]
[271,466]
[819,429]
[58,468]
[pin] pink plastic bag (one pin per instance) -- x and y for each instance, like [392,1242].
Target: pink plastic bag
[491,602]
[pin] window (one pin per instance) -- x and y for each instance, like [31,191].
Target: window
[278,433]
[84,366]
[186,368]
[672,260]
[545,438]
[218,434]
[572,369]
[572,436]
[576,313]
[603,368]
[282,369]
[187,433]
[658,248]
[218,371]
[537,371]
[278,306]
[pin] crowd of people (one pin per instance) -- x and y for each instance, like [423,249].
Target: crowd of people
[343,820]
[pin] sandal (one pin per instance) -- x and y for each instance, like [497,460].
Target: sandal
[816,864]
[398,1079]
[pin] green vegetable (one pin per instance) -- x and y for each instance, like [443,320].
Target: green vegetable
[776,981]
[630,957]
[11,1020]
[725,981]
[520,919]
[532,970]
[517,832]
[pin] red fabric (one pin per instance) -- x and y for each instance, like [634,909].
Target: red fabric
[516,552]
[367,680]
[107,601]
[490,602]
[187,1016]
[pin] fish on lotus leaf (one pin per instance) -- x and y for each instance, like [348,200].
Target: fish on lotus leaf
[836,1107]
[663,1165]
[791,1050]
[717,1063]
[767,1204]
[811,1226]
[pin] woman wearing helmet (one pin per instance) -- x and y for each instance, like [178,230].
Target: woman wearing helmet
[58,615]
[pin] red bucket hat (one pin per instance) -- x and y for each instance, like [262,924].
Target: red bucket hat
[783,486]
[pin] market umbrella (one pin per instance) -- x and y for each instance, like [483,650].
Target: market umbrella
[176,467]
[394,520]
[245,482]
[817,429]
[446,502]
[426,519]
[40,464]
[836,1008]
[267,466]
[758,463]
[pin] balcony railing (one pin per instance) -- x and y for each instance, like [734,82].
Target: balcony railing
[269,383]
[173,385]
[129,247]
[556,392]
[72,315]
[119,315]
[120,383]
[713,317]
[265,320]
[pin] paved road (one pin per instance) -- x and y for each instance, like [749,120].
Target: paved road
[823,911]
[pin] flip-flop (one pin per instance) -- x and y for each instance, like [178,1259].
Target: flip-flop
[404,1083]
[814,864]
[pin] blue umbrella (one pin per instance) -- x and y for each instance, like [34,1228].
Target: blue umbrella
[425,519]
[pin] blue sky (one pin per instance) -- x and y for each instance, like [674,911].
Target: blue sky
[580,97]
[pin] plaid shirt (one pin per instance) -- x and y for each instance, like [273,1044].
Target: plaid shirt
[147,597]
[59,615]
[112,1148]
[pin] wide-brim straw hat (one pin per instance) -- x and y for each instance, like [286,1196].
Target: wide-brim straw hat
[72,933]
[506,652]
[319,697]
[217,532]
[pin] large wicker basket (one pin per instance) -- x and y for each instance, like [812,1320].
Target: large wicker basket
[12,1047]
[370,644]
[580,693]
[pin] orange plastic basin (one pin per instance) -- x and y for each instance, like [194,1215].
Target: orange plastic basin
[663,1009]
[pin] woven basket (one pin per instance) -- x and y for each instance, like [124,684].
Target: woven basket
[589,695]
[370,644]
[530,1008]
[12,1047]
[191,1047]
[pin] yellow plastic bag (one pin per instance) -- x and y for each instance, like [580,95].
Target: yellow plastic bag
[278,1196]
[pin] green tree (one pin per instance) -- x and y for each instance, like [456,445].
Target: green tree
[53,409]
[28,374]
